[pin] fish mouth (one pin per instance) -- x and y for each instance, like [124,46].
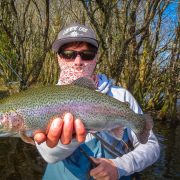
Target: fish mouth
[1,123]
[1,118]
[4,131]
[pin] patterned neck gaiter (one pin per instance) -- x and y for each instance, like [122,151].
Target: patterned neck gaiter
[70,72]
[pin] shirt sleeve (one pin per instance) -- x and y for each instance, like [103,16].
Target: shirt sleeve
[61,151]
[58,153]
[141,157]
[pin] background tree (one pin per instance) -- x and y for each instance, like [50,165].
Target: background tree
[139,49]
[138,44]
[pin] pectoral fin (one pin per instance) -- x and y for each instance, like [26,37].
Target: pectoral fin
[25,138]
[117,132]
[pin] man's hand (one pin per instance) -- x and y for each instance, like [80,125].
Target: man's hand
[105,170]
[63,130]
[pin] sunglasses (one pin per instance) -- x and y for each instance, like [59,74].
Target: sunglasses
[86,55]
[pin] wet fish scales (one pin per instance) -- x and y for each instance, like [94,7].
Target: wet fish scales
[34,107]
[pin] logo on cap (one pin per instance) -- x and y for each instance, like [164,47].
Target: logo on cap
[74,34]
[73,31]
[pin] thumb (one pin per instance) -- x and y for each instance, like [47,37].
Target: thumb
[39,137]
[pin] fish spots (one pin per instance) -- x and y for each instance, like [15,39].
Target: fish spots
[34,108]
[12,121]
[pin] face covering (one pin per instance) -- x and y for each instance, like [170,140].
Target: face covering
[70,72]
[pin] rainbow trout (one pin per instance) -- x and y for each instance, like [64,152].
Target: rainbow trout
[30,111]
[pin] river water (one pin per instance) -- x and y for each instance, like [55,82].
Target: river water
[168,165]
[21,161]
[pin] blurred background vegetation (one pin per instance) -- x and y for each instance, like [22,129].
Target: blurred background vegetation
[139,45]
[139,49]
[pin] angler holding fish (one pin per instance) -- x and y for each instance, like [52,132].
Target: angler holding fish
[83,128]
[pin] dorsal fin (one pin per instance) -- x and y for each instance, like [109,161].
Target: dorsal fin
[84,82]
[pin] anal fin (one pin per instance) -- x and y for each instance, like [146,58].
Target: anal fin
[117,132]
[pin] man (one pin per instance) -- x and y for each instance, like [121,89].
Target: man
[66,146]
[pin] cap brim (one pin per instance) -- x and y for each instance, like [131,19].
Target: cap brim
[60,42]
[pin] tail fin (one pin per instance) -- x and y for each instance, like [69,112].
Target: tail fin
[143,137]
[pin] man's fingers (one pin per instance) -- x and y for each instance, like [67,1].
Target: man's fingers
[54,132]
[40,137]
[68,129]
[95,171]
[62,129]
[79,130]
[104,170]
[96,160]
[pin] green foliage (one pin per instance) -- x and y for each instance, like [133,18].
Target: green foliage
[136,49]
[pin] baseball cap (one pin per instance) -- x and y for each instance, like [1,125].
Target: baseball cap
[73,33]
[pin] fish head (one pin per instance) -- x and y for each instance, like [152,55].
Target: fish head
[1,119]
[10,122]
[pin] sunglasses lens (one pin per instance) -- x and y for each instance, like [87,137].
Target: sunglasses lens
[85,55]
[68,54]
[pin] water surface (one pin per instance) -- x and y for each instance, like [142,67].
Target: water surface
[168,165]
[21,161]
